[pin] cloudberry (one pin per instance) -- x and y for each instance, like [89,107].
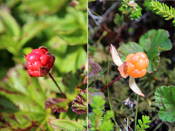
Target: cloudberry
[39,62]
[135,65]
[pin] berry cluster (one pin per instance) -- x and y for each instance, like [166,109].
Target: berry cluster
[135,65]
[39,62]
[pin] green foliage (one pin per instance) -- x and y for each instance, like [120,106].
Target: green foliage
[132,47]
[153,43]
[20,100]
[161,9]
[46,6]
[143,123]
[67,29]
[59,124]
[91,0]
[119,19]
[64,32]
[100,120]
[131,8]
[165,96]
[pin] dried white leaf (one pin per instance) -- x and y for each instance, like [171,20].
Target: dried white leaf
[115,56]
[134,87]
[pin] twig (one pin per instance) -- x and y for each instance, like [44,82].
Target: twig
[104,17]
[158,126]
[95,18]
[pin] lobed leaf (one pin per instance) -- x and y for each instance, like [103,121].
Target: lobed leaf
[154,42]
[60,124]
[128,48]
[165,100]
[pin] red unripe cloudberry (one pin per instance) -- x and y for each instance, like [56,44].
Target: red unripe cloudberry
[39,62]
[135,65]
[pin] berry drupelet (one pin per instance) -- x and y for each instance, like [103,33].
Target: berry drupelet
[39,62]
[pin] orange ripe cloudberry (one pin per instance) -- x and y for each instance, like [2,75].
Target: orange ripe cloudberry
[135,65]
[39,62]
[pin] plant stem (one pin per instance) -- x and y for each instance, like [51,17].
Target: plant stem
[108,96]
[111,107]
[50,75]
[112,82]
[136,113]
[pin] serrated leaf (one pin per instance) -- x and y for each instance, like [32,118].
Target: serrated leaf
[73,59]
[59,124]
[143,123]
[154,42]
[27,96]
[165,100]
[6,105]
[42,7]
[58,45]
[10,46]
[75,27]
[71,28]
[10,23]
[30,30]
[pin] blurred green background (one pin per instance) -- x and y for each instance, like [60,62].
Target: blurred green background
[59,25]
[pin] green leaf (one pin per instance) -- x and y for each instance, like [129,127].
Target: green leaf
[58,45]
[10,23]
[130,8]
[74,28]
[128,48]
[100,120]
[26,95]
[30,30]
[143,123]
[154,42]
[8,43]
[82,5]
[106,126]
[2,28]
[41,7]
[71,28]
[73,59]
[95,102]
[6,105]
[59,124]
[165,100]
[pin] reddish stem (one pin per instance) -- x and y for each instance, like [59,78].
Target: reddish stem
[112,82]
